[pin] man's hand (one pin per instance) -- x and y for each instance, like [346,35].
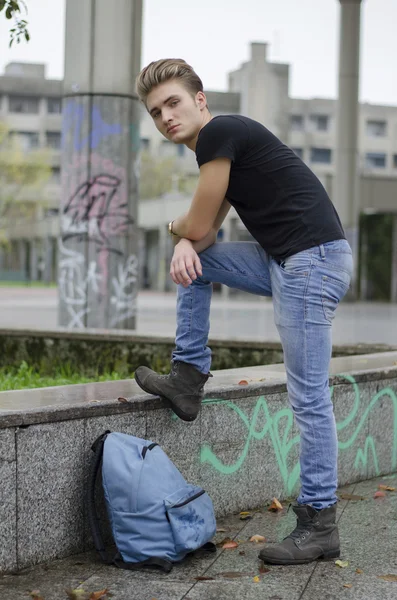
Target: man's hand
[185,264]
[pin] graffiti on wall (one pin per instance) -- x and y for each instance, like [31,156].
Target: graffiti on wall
[278,427]
[96,267]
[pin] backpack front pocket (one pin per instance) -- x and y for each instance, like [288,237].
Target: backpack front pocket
[190,513]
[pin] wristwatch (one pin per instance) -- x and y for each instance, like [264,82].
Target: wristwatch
[170,228]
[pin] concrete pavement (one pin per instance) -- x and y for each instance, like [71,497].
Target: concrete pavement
[243,317]
[368,530]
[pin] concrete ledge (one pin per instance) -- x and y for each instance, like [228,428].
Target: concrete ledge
[243,448]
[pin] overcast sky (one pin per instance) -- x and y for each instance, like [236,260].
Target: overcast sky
[214,36]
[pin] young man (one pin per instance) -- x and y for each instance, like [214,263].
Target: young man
[301,258]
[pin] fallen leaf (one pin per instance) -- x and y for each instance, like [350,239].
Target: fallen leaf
[94,400]
[245,517]
[351,497]
[245,512]
[234,574]
[230,545]
[202,578]
[263,570]
[387,488]
[224,541]
[257,539]
[275,506]
[257,579]
[379,495]
[359,571]
[78,594]
[388,577]
[35,594]
[122,399]
[243,382]
[221,530]
[348,585]
[242,553]
[99,595]
[342,563]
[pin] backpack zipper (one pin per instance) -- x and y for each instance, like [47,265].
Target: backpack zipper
[188,500]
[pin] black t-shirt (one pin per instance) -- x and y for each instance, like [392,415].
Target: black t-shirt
[278,198]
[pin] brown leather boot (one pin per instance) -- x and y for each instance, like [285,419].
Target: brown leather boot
[183,387]
[315,536]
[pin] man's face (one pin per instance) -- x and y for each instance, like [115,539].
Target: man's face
[176,114]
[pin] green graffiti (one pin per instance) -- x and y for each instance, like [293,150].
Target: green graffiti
[278,428]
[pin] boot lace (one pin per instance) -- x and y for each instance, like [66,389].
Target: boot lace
[301,532]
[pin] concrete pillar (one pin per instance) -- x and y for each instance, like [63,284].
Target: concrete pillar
[98,245]
[393,295]
[345,190]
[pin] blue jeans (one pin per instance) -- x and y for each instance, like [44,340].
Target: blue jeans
[306,289]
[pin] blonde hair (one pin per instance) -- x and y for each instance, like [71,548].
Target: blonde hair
[166,69]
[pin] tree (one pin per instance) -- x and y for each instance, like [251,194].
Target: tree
[13,10]
[157,176]
[22,177]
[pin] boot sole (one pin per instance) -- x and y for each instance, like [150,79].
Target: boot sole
[176,410]
[327,556]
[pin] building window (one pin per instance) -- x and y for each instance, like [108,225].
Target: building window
[296,122]
[375,160]
[54,106]
[298,152]
[319,122]
[56,175]
[53,139]
[395,161]
[320,155]
[27,105]
[376,128]
[145,144]
[28,140]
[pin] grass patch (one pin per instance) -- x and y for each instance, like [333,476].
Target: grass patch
[26,284]
[25,377]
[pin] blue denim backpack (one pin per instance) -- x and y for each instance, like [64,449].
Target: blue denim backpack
[156,517]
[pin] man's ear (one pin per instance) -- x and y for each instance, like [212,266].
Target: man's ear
[201,100]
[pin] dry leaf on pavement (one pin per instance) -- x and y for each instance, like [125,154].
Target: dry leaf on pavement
[78,594]
[342,563]
[387,488]
[102,595]
[391,577]
[122,399]
[230,545]
[257,579]
[359,571]
[35,594]
[351,497]
[257,539]
[221,531]
[243,382]
[379,495]
[275,505]
[348,585]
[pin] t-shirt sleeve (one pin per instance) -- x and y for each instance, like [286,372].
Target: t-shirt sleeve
[222,137]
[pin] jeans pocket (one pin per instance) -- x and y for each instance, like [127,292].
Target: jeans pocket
[297,264]
[332,292]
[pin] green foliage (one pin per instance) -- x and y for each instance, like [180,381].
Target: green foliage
[13,10]
[26,376]
[157,175]
[376,233]
[22,176]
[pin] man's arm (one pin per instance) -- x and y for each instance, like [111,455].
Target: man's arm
[208,199]
[210,238]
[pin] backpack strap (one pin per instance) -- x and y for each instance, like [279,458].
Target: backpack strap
[93,521]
